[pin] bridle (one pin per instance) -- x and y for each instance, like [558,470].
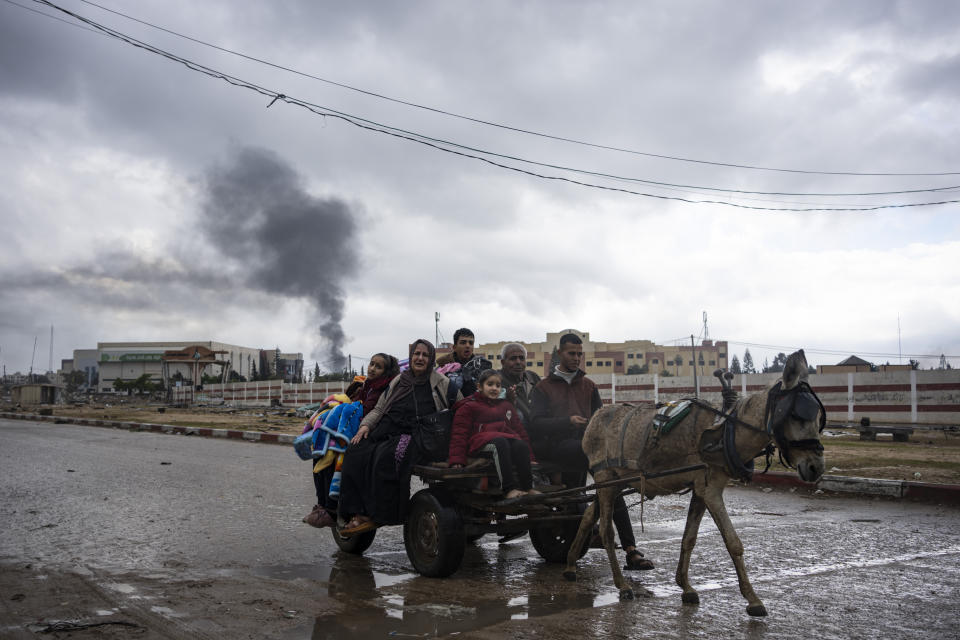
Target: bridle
[800,402]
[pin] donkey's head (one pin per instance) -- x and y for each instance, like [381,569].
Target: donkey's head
[795,417]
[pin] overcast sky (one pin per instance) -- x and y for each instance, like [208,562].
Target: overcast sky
[141,200]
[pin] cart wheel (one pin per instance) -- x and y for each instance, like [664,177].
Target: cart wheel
[354,544]
[552,540]
[433,535]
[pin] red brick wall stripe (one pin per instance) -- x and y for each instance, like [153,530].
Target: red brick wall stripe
[938,386]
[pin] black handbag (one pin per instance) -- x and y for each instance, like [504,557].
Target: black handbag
[431,434]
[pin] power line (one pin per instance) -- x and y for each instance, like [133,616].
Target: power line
[52,17]
[439,144]
[835,352]
[683,188]
[513,128]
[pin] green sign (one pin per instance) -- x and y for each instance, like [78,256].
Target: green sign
[131,357]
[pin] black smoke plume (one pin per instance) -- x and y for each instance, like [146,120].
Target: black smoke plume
[256,210]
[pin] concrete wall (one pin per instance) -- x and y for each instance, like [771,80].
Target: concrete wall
[259,394]
[906,397]
[903,397]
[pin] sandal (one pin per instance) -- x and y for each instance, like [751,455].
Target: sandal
[356,525]
[636,561]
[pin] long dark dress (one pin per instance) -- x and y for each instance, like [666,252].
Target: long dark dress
[376,471]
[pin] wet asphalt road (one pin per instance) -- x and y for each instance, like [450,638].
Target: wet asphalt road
[209,531]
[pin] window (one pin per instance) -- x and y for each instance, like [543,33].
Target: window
[529,364]
[690,363]
[589,363]
[722,355]
[655,361]
[712,362]
[539,364]
[619,363]
[498,357]
[630,356]
[608,364]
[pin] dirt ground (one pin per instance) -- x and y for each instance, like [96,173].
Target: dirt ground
[929,456]
[266,419]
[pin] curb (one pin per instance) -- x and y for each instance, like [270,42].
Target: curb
[207,432]
[926,491]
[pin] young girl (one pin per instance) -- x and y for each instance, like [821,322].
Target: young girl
[380,371]
[483,422]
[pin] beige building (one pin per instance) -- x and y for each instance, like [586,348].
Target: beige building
[631,356]
[130,360]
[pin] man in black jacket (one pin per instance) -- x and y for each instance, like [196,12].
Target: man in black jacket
[562,404]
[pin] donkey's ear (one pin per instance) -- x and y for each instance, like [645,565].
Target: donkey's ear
[795,369]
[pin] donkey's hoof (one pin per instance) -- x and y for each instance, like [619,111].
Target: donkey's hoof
[690,597]
[757,610]
[570,576]
[626,594]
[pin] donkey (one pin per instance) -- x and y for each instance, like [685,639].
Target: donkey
[708,447]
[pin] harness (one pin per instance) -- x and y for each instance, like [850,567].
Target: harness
[799,401]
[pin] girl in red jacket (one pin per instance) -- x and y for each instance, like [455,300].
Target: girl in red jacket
[483,422]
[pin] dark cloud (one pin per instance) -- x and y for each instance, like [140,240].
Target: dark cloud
[290,243]
[939,78]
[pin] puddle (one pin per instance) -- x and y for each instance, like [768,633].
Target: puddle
[403,616]
[123,588]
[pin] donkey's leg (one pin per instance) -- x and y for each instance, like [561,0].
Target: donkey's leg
[586,528]
[694,516]
[605,501]
[714,500]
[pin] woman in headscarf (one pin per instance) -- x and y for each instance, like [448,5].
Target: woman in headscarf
[381,369]
[375,486]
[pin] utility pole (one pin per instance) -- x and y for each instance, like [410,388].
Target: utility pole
[349,364]
[33,357]
[436,324]
[50,366]
[899,344]
[706,332]
[696,384]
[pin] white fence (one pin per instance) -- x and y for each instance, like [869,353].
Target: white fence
[914,397]
[258,394]
[908,397]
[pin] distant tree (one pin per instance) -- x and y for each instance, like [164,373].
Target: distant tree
[748,362]
[254,376]
[678,361]
[316,371]
[236,377]
[637,369]
[74,380]
[276,364]
[735,365]
[779,362]
[914,364]
[811,369]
